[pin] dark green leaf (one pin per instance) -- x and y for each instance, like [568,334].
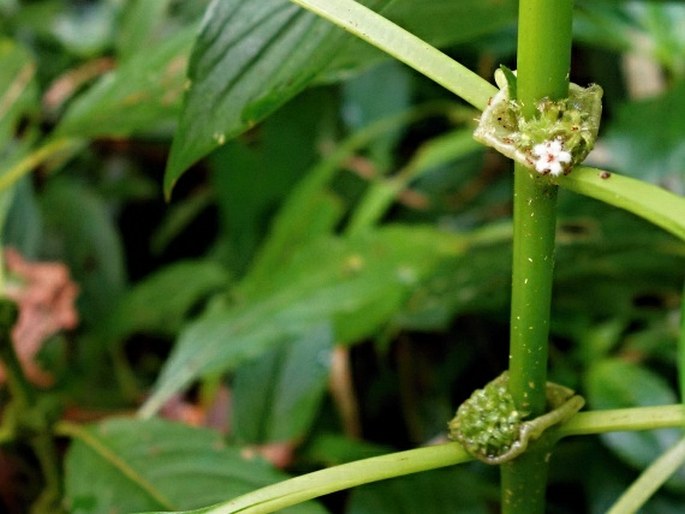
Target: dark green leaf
[128,465]
[356,284]
[253,175]
[250,58]
[277,397]
[81,232]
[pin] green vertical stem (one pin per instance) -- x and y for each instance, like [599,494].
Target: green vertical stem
[544,55]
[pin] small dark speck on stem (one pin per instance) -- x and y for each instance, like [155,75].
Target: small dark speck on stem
[605,175]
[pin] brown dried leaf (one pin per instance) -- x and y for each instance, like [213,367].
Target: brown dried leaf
[45,295]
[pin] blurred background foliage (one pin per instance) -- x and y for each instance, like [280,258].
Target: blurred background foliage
[333,282]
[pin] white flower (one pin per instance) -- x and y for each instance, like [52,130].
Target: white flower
[551,155]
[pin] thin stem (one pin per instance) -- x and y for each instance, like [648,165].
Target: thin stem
[544,53]
[543,64]
[44,447]
[34,159]
[404,46]
[621,420]
[650,480]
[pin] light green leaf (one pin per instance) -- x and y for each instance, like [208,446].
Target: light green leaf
[276,397]
[128,465]
[249,59]
[357,284]
[143,94]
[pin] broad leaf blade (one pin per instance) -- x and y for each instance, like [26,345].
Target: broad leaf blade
[250,58]
[357,284]
[127,465]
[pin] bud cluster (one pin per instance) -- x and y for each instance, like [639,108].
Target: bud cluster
[558,136]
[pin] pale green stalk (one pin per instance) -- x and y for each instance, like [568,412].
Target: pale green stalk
[278,496]
[650,480]
[543,63]
[10,176]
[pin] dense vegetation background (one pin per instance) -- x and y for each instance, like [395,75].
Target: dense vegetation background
[341,270]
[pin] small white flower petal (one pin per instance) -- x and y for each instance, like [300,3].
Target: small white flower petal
[555,168]
[564,157]
[554,146]
[551,155]
[540,149]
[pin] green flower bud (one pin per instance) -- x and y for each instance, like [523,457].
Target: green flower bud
[490,428]
[488,424]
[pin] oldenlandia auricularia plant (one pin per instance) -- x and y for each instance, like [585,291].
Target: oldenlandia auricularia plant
[548,127]
[535,117]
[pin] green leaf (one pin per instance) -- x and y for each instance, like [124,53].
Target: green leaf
[144,93]
[357,284]
[612,384]
[128,465]
[160,303]
[444,491]
[249,59]
[253,176]
[276,397]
